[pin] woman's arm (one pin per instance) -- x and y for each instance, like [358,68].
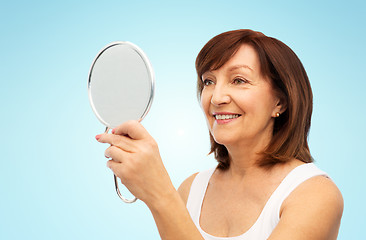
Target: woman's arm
[136,161]
[185,188]
[313,211]
[173,220]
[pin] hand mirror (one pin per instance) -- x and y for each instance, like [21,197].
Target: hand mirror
[120,87]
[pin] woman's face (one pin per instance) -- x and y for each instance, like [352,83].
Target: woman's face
[239,103]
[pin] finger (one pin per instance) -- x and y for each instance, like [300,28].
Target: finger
[123,142]
[116,154]
[133,129]
[114,166]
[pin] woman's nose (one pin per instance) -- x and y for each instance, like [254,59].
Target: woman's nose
[220,96]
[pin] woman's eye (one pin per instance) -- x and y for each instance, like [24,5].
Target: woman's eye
[207,82]
[239,81]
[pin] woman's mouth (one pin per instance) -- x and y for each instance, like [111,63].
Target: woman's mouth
[226,116]
[222,118]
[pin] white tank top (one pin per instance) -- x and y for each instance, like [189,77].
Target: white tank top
[270,215]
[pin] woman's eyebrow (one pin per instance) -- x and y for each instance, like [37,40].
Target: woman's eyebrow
[207,73]
[233,68]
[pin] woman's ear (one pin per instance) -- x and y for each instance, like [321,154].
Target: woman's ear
[281,106]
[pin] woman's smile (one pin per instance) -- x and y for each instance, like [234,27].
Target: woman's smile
[225,117]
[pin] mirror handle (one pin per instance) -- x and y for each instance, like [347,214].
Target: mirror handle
[119,193]
[116,184]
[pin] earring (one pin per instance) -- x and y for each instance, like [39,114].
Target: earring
[277,114]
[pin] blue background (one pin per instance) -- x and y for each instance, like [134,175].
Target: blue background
[53,180]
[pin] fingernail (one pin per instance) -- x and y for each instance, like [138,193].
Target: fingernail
[98,136]
[113,130]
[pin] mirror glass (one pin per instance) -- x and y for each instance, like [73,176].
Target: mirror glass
[121,84]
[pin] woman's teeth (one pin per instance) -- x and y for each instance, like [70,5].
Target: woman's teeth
[223,117]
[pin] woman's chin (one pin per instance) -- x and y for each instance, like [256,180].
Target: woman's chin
[224,140]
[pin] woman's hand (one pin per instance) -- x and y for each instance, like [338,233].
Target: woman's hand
[136,161]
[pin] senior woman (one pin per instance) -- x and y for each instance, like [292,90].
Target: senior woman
[257,100]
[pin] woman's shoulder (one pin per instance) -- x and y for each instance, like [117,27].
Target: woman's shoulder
[185,187]
[316,190]
[319,202]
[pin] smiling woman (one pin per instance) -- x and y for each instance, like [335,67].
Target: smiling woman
[257,101]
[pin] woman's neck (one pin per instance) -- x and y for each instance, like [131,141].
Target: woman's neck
[244,156]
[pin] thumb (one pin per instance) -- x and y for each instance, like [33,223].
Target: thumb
[133,129]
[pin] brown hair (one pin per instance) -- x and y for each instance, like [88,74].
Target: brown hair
[288,78]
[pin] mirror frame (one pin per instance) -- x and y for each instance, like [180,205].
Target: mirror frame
[147,65]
